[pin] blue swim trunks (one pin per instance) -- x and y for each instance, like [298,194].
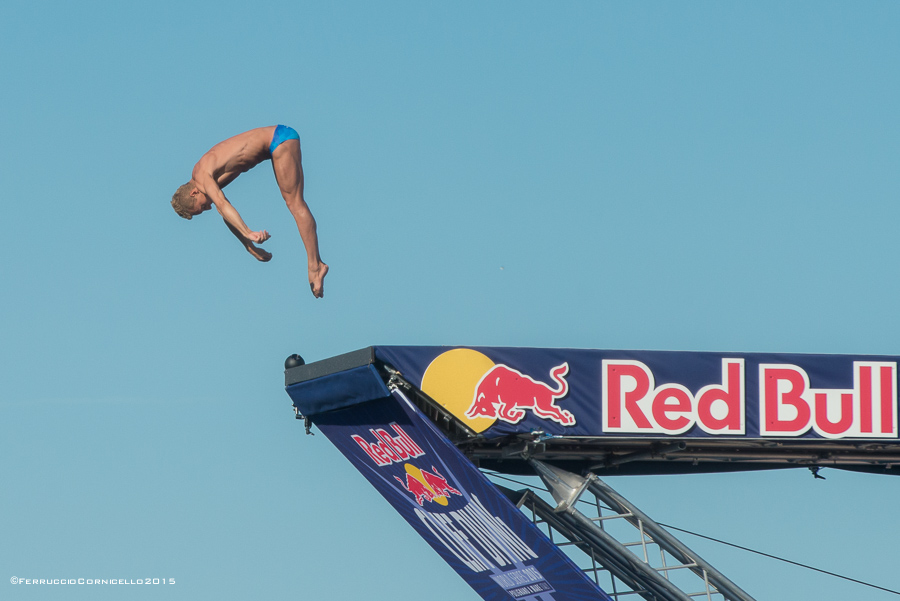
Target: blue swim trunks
[282,133]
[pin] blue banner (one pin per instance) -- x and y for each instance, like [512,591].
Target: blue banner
[633,394]
[451,504]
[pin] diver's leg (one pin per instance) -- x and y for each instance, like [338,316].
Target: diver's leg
[286,162]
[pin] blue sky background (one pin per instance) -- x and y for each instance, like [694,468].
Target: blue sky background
[654,175]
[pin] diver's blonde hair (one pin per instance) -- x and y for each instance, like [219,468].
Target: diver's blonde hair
[182,201]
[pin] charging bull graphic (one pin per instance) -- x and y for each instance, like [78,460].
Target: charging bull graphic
[504,393]
[426,486]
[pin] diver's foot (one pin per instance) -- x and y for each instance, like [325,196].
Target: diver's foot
[316,279]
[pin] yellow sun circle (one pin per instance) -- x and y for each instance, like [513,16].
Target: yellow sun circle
[417,474]
[451,380]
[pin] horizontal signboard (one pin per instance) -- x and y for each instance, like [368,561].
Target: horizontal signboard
[574,392]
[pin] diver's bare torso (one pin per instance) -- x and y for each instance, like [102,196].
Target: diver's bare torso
[229,158]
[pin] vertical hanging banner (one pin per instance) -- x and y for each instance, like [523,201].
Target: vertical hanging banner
[452,505]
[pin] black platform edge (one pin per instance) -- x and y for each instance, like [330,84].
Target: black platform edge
[332,365]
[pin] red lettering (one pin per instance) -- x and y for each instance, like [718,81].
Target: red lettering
[378,449]
[865,399]
[615,372]
[391,444]
[775,399]
[631,402]
[887,399]
[731,393]
[385,449]
[788,404]
[672,398]
[844,421]
[389,449]
[414,449]
[369,450]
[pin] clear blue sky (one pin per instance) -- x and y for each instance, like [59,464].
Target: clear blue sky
[653,175]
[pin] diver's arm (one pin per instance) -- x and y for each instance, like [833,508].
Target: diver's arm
[258,253]
[211,188]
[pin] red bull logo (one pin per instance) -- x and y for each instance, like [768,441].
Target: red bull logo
[427,486]
[389,449]
[506,393]
[480,392]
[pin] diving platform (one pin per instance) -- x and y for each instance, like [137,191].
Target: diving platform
[421,423]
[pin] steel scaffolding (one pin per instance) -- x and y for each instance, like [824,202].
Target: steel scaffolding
[626,552]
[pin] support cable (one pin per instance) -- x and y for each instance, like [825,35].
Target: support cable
[795,563]
[715,540]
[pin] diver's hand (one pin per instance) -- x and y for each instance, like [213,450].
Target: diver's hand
[258,237]
[260,254]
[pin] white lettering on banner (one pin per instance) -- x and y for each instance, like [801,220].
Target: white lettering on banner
[478,539]
[633,403]
[789,406]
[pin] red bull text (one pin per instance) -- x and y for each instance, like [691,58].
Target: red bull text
[505,393]
[633,403]
[389,449]
[788,404]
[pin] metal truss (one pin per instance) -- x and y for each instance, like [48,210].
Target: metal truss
[621,548]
